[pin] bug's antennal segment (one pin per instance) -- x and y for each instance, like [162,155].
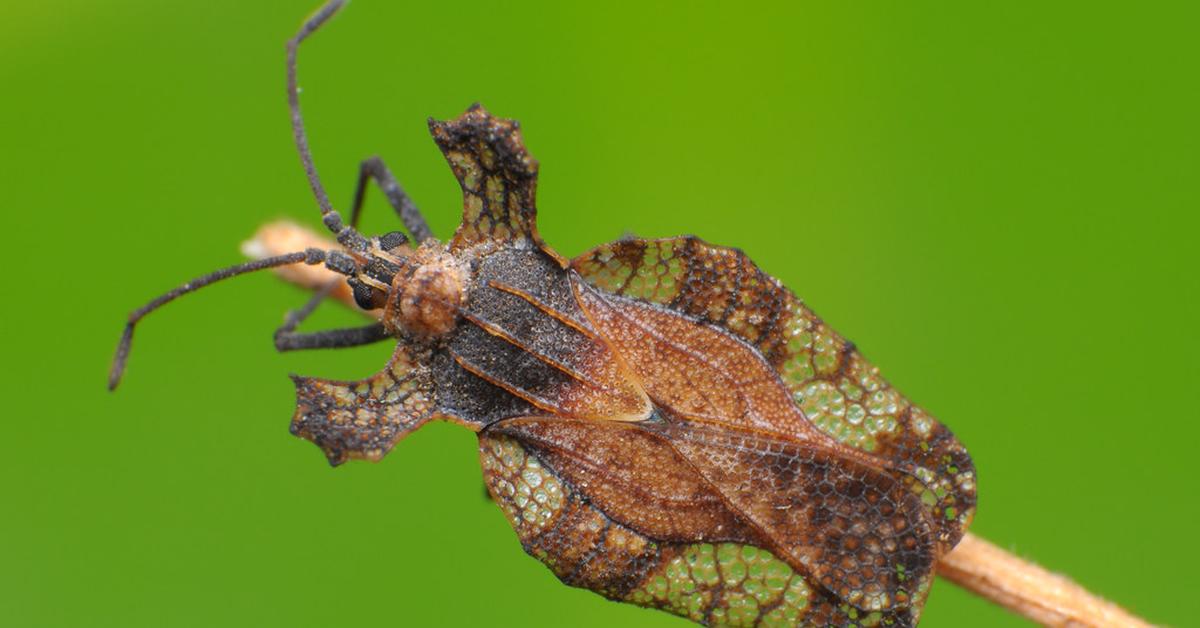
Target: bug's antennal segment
[308,256]
[347,236]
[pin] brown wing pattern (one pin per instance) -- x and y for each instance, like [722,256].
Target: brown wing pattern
[569,514]
[853,528]
[635,476]
[497,176]
[700,372]
[365,419]
[838,391]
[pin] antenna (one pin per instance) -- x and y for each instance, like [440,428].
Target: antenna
[346,236]
[308,256]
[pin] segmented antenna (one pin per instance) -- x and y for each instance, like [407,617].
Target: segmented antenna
[346,236]
[309,256]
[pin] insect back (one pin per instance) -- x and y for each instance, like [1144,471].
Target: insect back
[779,481]
[714,320]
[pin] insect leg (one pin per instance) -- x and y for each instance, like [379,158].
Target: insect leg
[330,338]
[295,317]
[374,168]
[288,339]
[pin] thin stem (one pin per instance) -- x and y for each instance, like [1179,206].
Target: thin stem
[1026,589]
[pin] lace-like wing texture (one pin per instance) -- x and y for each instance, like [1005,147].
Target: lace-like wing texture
[836,389]
[497,176]
[618,509]
[365,419]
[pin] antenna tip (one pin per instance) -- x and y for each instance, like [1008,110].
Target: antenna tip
[118,364]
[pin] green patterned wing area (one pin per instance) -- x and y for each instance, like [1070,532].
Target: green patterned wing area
[365,419]
[717,583]
[836,388]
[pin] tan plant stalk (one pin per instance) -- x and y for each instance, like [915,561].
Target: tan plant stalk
[1025,588]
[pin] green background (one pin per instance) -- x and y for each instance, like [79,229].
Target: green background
[997,204]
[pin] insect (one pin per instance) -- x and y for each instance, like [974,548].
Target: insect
[661,422]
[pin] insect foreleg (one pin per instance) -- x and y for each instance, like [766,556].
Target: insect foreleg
[287,340]
[295,317]
[373,168]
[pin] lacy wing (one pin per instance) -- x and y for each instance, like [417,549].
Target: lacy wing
[365,419]
[838,392]
[498,178]
[853,530]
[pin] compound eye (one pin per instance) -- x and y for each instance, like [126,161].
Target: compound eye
[364,295]
[392,239]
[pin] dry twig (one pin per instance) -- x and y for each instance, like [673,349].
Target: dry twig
[1048,598]
[975,565]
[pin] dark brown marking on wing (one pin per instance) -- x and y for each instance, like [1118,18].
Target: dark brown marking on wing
[500,333]
[506,383]
[465,397]
[498,178]
[858,532]
[560,526]
[510,340]
[564,520]
[557,315]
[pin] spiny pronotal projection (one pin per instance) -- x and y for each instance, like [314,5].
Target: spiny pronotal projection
[662,422]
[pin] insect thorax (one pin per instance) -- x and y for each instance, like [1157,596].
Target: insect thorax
[523,347]
[425,302]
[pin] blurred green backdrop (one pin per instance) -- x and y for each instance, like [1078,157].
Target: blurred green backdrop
[997,204]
